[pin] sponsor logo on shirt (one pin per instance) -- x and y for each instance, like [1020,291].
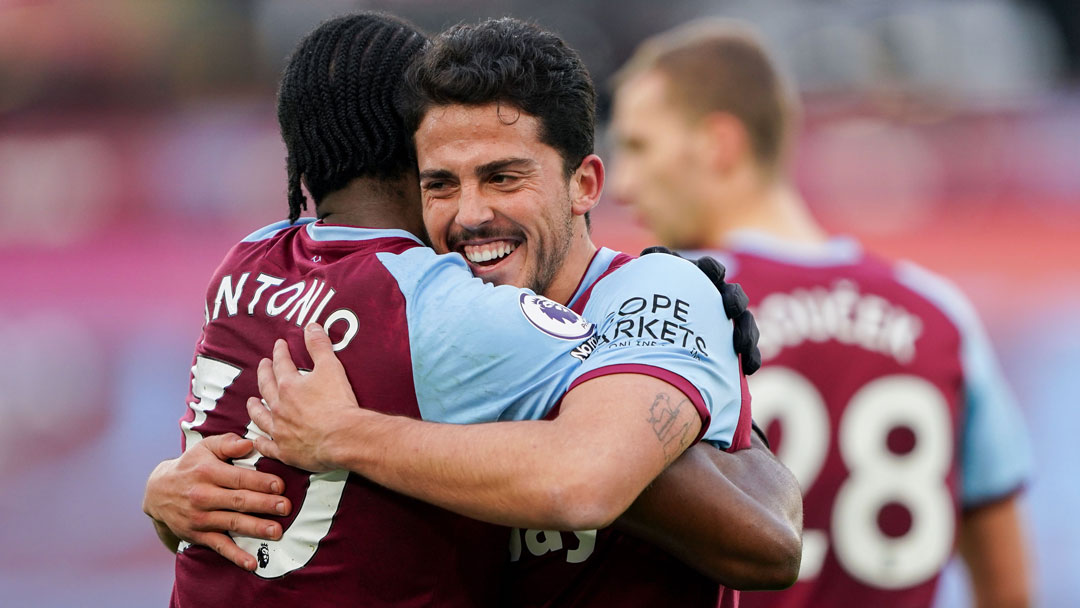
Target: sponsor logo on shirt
[575,546]
[554,319]
[587,347]
[654,320]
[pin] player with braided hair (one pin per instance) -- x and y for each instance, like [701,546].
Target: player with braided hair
[423,339]
[503,119]
[346,130]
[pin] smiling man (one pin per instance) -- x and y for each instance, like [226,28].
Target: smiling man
[488,184]
[498,183]
[504,207]
[503,123]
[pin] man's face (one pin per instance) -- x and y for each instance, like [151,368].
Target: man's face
[494,193]
[659,170]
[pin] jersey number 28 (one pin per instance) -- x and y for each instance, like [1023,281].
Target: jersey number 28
[876,475]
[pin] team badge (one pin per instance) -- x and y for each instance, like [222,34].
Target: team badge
[554,319]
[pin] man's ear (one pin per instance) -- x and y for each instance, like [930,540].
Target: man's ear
[586,185]
[724,141]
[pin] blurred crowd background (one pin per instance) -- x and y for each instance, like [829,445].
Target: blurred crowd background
[138,142]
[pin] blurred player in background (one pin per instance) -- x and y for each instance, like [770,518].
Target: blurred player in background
[365,544]
[890,406]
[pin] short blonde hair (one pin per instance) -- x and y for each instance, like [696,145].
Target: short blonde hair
[721,65]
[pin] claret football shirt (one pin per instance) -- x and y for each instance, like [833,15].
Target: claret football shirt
[880,391]
[420,337]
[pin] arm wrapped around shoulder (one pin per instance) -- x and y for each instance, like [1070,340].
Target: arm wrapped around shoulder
[736,305]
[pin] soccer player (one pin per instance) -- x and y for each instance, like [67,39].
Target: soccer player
[504,116]
[395,312]
[893,412]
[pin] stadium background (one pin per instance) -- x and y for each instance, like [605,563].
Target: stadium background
[138,142]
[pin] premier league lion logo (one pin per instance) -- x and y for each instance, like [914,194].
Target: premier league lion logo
[554,319]
[557,312]
[263,555]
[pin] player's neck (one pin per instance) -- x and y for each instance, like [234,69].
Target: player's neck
[374,203]
[775,209]
[580,255]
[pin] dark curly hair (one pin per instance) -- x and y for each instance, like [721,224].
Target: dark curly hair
[340,104]
[513,62]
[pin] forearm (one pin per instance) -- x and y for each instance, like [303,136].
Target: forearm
[579,471]
[761,475]
[993,548]
[735,517]
[508,473]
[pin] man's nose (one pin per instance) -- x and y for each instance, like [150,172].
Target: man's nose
[474,208]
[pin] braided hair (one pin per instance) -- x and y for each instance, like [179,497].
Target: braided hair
[340,104]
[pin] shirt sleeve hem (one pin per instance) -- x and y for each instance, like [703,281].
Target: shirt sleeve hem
[659,373]
[993,499]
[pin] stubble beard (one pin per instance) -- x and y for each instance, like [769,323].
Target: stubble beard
[549,260]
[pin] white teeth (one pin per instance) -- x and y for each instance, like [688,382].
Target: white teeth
[490,251]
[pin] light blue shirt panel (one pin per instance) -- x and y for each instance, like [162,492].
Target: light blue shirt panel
[476,357]
[653,281]
[597,267]
[333,232]
[329,232]
[995,453]
[268,231]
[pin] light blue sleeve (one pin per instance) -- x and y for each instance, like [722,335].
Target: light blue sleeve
[995,454]
[477,354]
[661,316]
[268,231]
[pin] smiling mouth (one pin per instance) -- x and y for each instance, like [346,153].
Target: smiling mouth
[488,254]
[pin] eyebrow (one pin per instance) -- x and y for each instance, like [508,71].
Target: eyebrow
[485,169]
[436,174]
[503,164]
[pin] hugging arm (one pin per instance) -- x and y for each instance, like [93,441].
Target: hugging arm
[199,497]
[736,517]
[308,434]
[745,555]
[614,435]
